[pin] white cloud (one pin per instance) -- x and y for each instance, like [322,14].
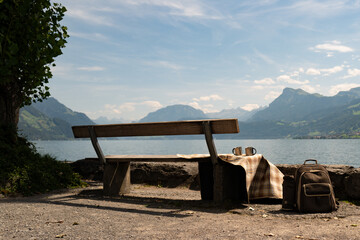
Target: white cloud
[313,71]
[332,70]
[131,106]
[295,74]
[258,87]
[195,105]
[91,69]
[207,108]
[213,97]
[342,87]
[331,47]
[249,107]
[288,79]
[190,9]
[353,73]
[164,64]
[153,104]
[62,69]
[265,81]
[88,17]
[264,57]
[334,47]
[272,95]
[89,36]
[327,71]
[308,88]
[127,107]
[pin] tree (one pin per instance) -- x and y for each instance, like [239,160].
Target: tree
[30,38]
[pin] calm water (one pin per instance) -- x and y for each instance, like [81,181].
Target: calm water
[326,151]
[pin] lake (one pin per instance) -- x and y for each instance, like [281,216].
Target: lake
[277,151]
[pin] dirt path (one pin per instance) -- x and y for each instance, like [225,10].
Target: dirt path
[163,213]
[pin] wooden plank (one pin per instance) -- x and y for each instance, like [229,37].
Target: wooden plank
[151,158]
[210,141]
[218,126]
[96,145]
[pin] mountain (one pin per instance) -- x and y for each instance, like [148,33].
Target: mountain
[298,105]
[185,112]
[49,120]
[298,114]
[54,109]
[337,122]
[174,113]
[35,125]
[239,113]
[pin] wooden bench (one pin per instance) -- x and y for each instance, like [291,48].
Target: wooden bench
[116,178]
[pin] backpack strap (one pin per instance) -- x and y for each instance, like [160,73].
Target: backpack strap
[310,160]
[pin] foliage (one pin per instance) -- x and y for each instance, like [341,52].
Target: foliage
[30,38]
[25,171]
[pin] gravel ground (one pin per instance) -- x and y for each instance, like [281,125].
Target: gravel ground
[163,213]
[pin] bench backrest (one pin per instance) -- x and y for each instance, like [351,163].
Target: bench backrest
[218,126]
[206,127]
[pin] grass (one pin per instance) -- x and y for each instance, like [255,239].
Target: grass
[354,202]
[24,171]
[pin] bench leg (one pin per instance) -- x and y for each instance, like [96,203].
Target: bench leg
[116,179]
[219,183]
[229,183]
[206,180]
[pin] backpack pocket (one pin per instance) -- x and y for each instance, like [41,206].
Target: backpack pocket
[288,202]
[317,189]
[316,197]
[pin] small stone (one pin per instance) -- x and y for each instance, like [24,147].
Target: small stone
[60,235]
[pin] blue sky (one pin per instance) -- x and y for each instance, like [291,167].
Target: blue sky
[126,58]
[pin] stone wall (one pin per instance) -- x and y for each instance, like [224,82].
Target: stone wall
[345,179]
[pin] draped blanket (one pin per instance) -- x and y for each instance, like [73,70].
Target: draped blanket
[263,179]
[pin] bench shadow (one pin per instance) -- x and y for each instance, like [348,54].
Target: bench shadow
[163,203]
[155,206]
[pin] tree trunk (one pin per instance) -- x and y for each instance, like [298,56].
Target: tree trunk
[9,107]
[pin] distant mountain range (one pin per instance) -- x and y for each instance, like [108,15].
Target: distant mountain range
[298,105]
[294,114]
[49,120]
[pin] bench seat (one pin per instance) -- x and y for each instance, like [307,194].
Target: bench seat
[151,158]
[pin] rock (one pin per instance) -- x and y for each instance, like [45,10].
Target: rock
[345,179]
[158,174]
[288,169]
[338,173]
[165,175]
[88,168]
[352,184]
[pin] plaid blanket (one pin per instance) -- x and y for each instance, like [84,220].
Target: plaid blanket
[263,179]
